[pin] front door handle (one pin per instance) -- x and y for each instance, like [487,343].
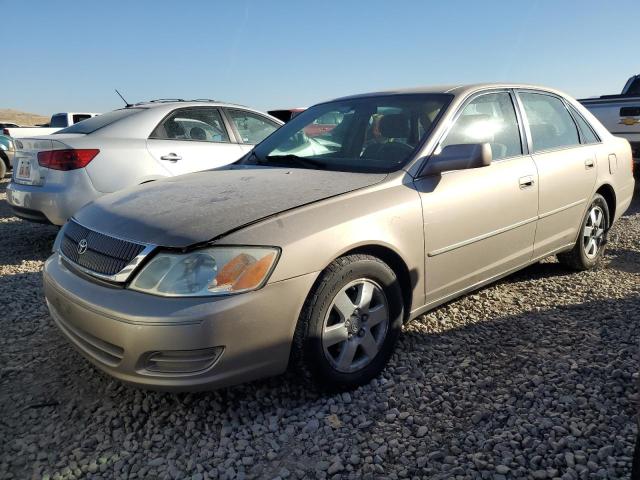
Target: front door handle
[589,163]
[526,182]
[172,157]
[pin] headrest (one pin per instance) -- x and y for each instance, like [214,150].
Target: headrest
[395,125]
[173,128]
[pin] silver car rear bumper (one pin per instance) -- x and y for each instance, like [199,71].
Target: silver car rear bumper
[52,202]
[220,341]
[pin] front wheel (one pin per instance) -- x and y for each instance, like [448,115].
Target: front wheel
[3,168]
[351,321]
[592,239]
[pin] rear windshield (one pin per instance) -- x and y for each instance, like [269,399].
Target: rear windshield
[95,123]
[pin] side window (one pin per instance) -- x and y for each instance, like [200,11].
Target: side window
[252,128]
[550,123]
[588,136]
[489,118]
[80,117]
[634,88]
[200,124]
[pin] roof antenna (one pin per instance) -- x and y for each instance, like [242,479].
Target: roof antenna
[127,104]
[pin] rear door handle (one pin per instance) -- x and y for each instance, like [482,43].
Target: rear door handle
[172,157]
[526,182]
[589,163]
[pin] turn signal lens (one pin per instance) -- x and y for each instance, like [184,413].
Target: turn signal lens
[252,274]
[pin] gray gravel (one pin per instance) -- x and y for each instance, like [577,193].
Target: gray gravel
[534,377]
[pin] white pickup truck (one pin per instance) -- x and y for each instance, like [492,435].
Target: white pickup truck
[620,114]
[58,121]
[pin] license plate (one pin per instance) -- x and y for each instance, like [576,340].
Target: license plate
[24,170]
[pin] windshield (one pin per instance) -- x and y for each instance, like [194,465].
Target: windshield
[367,134]
[92,124]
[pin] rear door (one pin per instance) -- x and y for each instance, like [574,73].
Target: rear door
[566,169]
[480,222]
[192,139]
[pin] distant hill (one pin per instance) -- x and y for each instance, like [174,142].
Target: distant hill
[22,118]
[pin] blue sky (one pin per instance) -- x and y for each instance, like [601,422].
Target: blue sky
[70,55]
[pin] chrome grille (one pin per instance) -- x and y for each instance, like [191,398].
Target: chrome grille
[104,255]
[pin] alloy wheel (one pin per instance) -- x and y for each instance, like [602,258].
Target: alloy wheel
[355,326]
[593,232]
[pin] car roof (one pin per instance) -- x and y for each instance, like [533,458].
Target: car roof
[172,102]
[457,90]
[168,105]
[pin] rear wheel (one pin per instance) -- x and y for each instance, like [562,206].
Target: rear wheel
[350,323]
[592,239]
[3,167]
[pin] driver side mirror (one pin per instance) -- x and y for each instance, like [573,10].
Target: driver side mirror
[459,157]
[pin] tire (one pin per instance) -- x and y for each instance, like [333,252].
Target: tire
[341,351]
[3,168]
[591,242]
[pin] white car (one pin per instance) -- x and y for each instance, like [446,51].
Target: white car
[621,114]
[56,175]
[58,122]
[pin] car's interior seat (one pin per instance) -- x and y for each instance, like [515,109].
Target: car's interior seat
[174,129]
[395,129]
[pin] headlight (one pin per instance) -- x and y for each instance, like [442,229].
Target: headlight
[207,272]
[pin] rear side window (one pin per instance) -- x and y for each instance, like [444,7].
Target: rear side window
[634,88]
[92,124]
[489,118]
[251,127]
[59,121]
[80,117]
[550,123]
[587,133]
[192,124]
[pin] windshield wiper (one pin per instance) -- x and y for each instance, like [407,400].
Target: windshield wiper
[296,160]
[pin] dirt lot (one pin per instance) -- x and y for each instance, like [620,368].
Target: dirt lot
[534,377]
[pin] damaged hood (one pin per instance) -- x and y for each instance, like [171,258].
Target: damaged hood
[194,208]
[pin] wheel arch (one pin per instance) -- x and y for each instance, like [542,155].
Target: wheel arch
[396,263]
[609,195]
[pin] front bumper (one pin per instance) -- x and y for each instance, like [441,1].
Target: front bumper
[52,202]
[119,329]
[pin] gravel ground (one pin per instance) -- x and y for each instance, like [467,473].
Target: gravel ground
[534,377]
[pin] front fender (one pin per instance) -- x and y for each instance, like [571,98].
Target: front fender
[387,215]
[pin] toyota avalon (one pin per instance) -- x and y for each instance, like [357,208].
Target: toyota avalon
[313,251]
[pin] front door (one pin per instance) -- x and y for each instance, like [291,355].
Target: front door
[192,139]
[480,223]
[566,170]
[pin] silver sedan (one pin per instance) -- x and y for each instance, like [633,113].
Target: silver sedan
[56,175]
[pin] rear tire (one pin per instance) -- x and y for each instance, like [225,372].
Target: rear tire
[3,168]
[350,323]
[591,243]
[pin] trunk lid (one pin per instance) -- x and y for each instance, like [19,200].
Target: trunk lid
[27,170]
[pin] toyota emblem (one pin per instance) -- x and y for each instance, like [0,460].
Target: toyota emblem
[82,246]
